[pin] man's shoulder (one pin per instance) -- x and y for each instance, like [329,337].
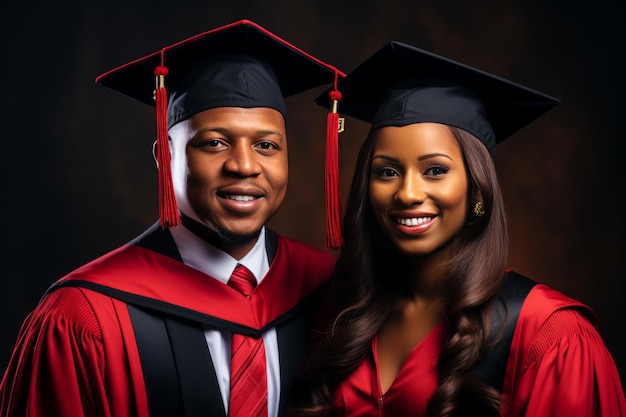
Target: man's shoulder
[123,257]
[295,243]
[304,251]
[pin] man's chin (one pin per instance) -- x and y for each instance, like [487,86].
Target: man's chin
[236,239]
[219,236]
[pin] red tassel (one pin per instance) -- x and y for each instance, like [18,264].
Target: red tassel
[334,239]
[168,209]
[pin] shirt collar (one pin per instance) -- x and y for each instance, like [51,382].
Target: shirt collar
[201,255]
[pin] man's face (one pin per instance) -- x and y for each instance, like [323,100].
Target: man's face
[229,168]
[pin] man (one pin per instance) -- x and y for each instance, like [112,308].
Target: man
[204,313]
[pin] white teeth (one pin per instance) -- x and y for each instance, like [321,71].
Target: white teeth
[240,197]
[413,221]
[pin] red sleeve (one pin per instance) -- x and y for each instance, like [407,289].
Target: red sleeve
[60,366]
[567,371]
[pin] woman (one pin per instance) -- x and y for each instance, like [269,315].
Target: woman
[426,319]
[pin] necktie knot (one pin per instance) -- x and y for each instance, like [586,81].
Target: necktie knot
[242,280]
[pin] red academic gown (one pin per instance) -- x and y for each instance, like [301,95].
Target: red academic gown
[562,370]
[85,353]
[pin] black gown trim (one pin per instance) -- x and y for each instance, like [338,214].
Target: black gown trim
[157,362]
[491,367]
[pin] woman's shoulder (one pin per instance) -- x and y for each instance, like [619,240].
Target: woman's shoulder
[558,346]
[538,300]
[543,301]
[549,316]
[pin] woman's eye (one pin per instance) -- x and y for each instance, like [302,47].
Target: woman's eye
[435,171]
[386,172]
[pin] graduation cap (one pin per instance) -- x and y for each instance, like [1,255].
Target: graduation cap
[237,65]
[401,85]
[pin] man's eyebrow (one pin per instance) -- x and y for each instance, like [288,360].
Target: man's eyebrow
[225,131]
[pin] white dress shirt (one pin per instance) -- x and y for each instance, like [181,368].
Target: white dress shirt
[201,255]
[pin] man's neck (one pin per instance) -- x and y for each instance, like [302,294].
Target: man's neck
[235,246]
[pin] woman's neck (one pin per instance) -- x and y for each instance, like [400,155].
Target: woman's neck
[428,275]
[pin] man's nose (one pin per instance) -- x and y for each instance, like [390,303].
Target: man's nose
[242,161]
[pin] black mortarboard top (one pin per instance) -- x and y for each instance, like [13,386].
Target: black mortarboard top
[237,65]
[401,85]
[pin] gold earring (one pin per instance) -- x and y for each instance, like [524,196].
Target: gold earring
[479,209]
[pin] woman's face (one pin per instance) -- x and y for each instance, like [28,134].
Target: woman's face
[418,186]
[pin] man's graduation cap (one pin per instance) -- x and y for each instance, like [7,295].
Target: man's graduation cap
[237,65]
[401,85]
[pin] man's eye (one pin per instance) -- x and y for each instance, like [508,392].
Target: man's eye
[266,145]
[209,144]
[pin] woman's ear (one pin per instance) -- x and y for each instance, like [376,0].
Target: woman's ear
[477,206]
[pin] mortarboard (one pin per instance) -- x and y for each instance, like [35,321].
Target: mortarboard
[401,85]
[237,65]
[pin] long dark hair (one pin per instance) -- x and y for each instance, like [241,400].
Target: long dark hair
[363,292]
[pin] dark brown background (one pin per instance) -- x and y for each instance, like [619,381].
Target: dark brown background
[79,178]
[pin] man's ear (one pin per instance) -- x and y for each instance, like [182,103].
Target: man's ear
[154,148]
[154,144]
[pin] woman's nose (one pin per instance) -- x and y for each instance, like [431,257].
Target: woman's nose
[411,191]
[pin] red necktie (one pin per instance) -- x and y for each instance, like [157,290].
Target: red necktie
[248,377]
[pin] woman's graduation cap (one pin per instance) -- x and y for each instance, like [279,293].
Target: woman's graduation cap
[401,85]
[237,65]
